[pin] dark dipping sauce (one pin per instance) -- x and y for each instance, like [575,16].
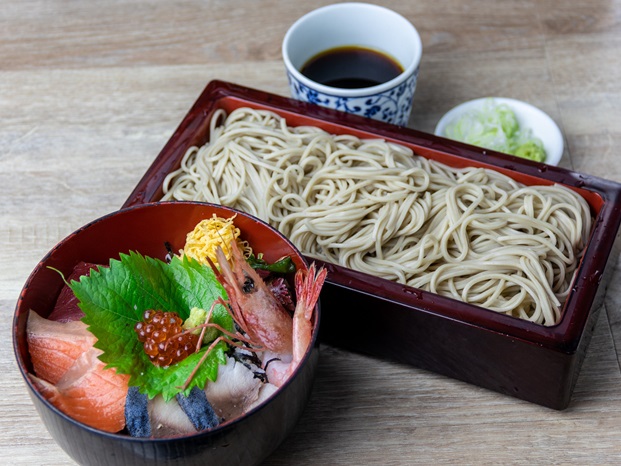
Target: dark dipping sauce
[351,67]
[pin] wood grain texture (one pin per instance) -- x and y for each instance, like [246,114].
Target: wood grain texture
[91,91]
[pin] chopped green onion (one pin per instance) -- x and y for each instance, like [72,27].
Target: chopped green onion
[494,126]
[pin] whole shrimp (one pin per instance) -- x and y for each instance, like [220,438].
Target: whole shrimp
[263,318]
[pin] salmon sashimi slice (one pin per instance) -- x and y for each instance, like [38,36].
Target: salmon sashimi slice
[70,375]
[89,393]
[55,346]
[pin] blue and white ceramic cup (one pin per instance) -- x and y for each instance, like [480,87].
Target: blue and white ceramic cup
[355,25]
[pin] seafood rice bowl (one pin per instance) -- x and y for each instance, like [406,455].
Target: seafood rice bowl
[170,333]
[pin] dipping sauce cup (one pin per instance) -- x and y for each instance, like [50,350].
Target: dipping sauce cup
[363,27]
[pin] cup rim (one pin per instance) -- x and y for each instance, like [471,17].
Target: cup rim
[363,91]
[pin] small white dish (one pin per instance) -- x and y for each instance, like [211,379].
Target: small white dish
[528,116]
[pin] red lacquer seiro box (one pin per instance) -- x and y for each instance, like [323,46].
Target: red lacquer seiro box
[529,361]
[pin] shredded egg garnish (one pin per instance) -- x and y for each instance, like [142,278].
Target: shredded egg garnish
[202,242]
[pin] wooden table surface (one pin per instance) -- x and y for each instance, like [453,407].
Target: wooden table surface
[91,91]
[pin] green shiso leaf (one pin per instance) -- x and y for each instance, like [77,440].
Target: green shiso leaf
[282,266]
[114,299]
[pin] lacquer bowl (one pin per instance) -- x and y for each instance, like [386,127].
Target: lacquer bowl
[245,440]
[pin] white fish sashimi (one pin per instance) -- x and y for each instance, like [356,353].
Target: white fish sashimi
[267,390]
[236,390]
[168,419]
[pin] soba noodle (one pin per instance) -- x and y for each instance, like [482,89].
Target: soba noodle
[373,206]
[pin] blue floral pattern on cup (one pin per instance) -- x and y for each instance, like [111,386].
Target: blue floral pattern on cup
[392,106]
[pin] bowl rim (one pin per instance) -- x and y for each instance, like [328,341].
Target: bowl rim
[227,424]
